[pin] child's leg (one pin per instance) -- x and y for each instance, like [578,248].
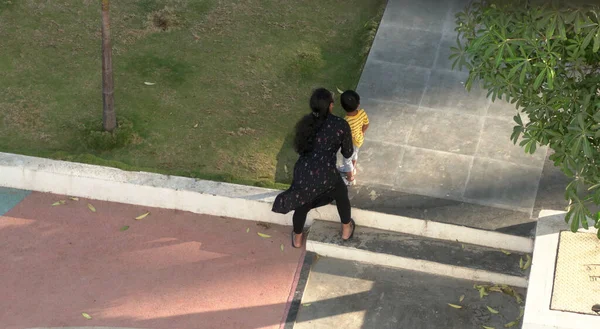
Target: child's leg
[354,159]
[348,167]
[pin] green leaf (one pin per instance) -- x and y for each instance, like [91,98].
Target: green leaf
[462,297]
[486,327]
[539,79]
[511,324]
[124,228]
[247,230]
[499,55]
[87,316]
[575,221]
[587,40]
[91,208]
[587,147]
[454,306]
[281,247]
[493,311]
[262,235]
[518,119]
[505,252]
[561,29]
[523,74]
[596,42]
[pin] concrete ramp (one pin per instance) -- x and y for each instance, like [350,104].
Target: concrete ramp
[428,136]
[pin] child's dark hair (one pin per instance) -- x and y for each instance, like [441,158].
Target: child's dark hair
[350,100]
[309,125]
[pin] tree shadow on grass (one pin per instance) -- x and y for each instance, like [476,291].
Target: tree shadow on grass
[286,159]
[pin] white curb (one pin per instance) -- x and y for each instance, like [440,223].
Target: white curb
[213,198]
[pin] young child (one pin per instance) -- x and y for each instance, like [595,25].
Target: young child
[359,123]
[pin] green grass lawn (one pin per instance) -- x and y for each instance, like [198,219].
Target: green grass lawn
[231,79]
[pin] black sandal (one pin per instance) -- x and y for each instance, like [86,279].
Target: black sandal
[293,239]
[351,233]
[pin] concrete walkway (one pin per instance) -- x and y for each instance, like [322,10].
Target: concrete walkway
[350,295]
[171,269]
[428,136]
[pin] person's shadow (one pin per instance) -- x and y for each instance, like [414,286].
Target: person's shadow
[286,159]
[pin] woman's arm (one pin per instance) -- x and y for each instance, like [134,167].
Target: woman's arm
[347,145]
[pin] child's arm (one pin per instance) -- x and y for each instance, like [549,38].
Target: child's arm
[365,124]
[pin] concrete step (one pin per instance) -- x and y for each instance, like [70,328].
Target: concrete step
[347,294]
[418,253]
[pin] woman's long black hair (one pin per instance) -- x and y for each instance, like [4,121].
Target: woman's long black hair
[309,125]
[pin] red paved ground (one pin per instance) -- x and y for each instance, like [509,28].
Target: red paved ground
[170,270]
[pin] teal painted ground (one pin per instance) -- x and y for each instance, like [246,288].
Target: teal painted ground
[10,197]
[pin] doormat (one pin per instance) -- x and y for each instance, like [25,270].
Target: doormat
[577,275]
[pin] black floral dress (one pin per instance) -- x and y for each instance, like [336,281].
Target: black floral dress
[315,173]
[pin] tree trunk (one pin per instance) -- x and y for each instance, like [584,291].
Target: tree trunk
[109,118]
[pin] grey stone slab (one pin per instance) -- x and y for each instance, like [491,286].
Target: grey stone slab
[389,122]
[551,190]
[397,44]
[503,183]
[418,247]
[389,201]
[379,162]
[446,131]
[392,82]
[456,6]
[496,144]
[445,51]
[351,295]
[446,91]
[502,109]
[428,15]
[433,173]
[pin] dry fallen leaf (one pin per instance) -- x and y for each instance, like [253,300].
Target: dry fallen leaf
[196,126]
[339,90]
[247,230]
[454,305]
[486,327]
[74,198]
[495,288]
[493,311]
[281,247]
[92,208]
[482,292]
[87,316]
[57,203]
[505,252]
[511,324]
[521,263]
[142,216]
[262,235]
[462,297]
[307,304]
[528,263]
[124,228]
[149,83]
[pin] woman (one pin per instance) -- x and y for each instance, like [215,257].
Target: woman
[317,182]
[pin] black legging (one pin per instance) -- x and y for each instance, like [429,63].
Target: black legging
[339,194]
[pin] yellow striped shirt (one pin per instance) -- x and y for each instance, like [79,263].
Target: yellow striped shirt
[356,123]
